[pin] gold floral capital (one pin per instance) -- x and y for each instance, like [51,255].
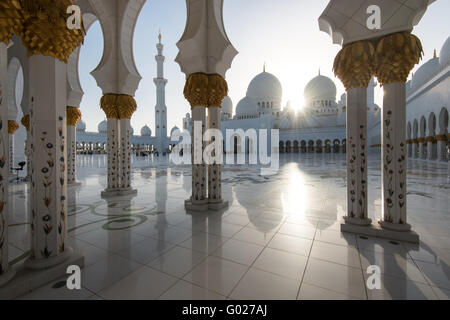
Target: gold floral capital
[442,137]
[12,126]
[118,106]
[196,90]
[73,116]
[354,64]
[26,121]
[44,29]
[217,90]
[10,19]
[126,106]
[395,55]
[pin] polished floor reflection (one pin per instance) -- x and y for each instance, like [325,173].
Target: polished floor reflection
[279,239]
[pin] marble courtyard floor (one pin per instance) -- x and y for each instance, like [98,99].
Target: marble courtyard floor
[279,239]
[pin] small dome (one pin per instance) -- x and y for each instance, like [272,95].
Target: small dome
[173,130]
[146,131]
[103,127]
[320,88]
[81,126]
[265,87]
[246,107]
[188,115]
[444,56]
[227,105]
[425,73]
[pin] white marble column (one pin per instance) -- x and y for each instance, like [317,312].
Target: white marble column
[442,141]
[49,154]
[6,273]
[430,148]
[11,152]
[26,123]
[71,155]
[215,170]
[422,148]
[415,148]
[199,176]
[409,146]
[394,157]
[113,155]
[125,156]
[357,157]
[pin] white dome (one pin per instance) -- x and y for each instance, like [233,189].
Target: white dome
[265,87]
[81,125]
[227,105]
[103,127]
[146,131]
[246,107]
[425,73]
[173,130]
[444,56]
[320,88]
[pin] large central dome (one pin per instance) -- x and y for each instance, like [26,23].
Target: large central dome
[265,87]
[320,88]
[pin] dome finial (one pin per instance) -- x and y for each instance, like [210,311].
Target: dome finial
[319,71]
[264,67]
[435,54]
[159,35]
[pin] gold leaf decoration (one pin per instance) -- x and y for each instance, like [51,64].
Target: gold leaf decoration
[196,90]
[395,56]
[73,116]
[10,19]
[12,126]
[354,64]
[217,90]
[26,121]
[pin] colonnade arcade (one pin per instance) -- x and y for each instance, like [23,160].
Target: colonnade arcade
[389,53]
[52,96]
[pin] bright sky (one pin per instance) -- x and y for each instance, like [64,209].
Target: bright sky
[282,33]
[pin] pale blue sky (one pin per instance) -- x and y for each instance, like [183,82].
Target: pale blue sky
[282,33]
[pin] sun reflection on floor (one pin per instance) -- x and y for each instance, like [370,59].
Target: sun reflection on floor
[294,197]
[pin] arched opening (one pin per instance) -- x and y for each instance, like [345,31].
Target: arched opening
[336,145]
[422,138]
[288,147]
[431,139]
[311,146]
[303,146]
[281,145]
[443,146]
[319,146]
[296,147]
[327,146]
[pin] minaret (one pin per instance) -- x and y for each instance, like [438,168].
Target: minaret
[160,108]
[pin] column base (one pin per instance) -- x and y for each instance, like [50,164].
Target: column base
[217,205]
[6,277]
[199,206]
[118,192]
[38,264]
[395,226]
[74,184]
[375,230]
[358,221]
[27,280]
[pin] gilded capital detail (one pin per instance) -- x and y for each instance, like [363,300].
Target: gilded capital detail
[10,19]
[354,64]
[12,126]
[196,90]
[44,29]
[217,90]
[73,116]
[26,122]
[118,106]
[395,55]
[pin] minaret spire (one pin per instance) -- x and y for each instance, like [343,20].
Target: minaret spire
[160,108]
